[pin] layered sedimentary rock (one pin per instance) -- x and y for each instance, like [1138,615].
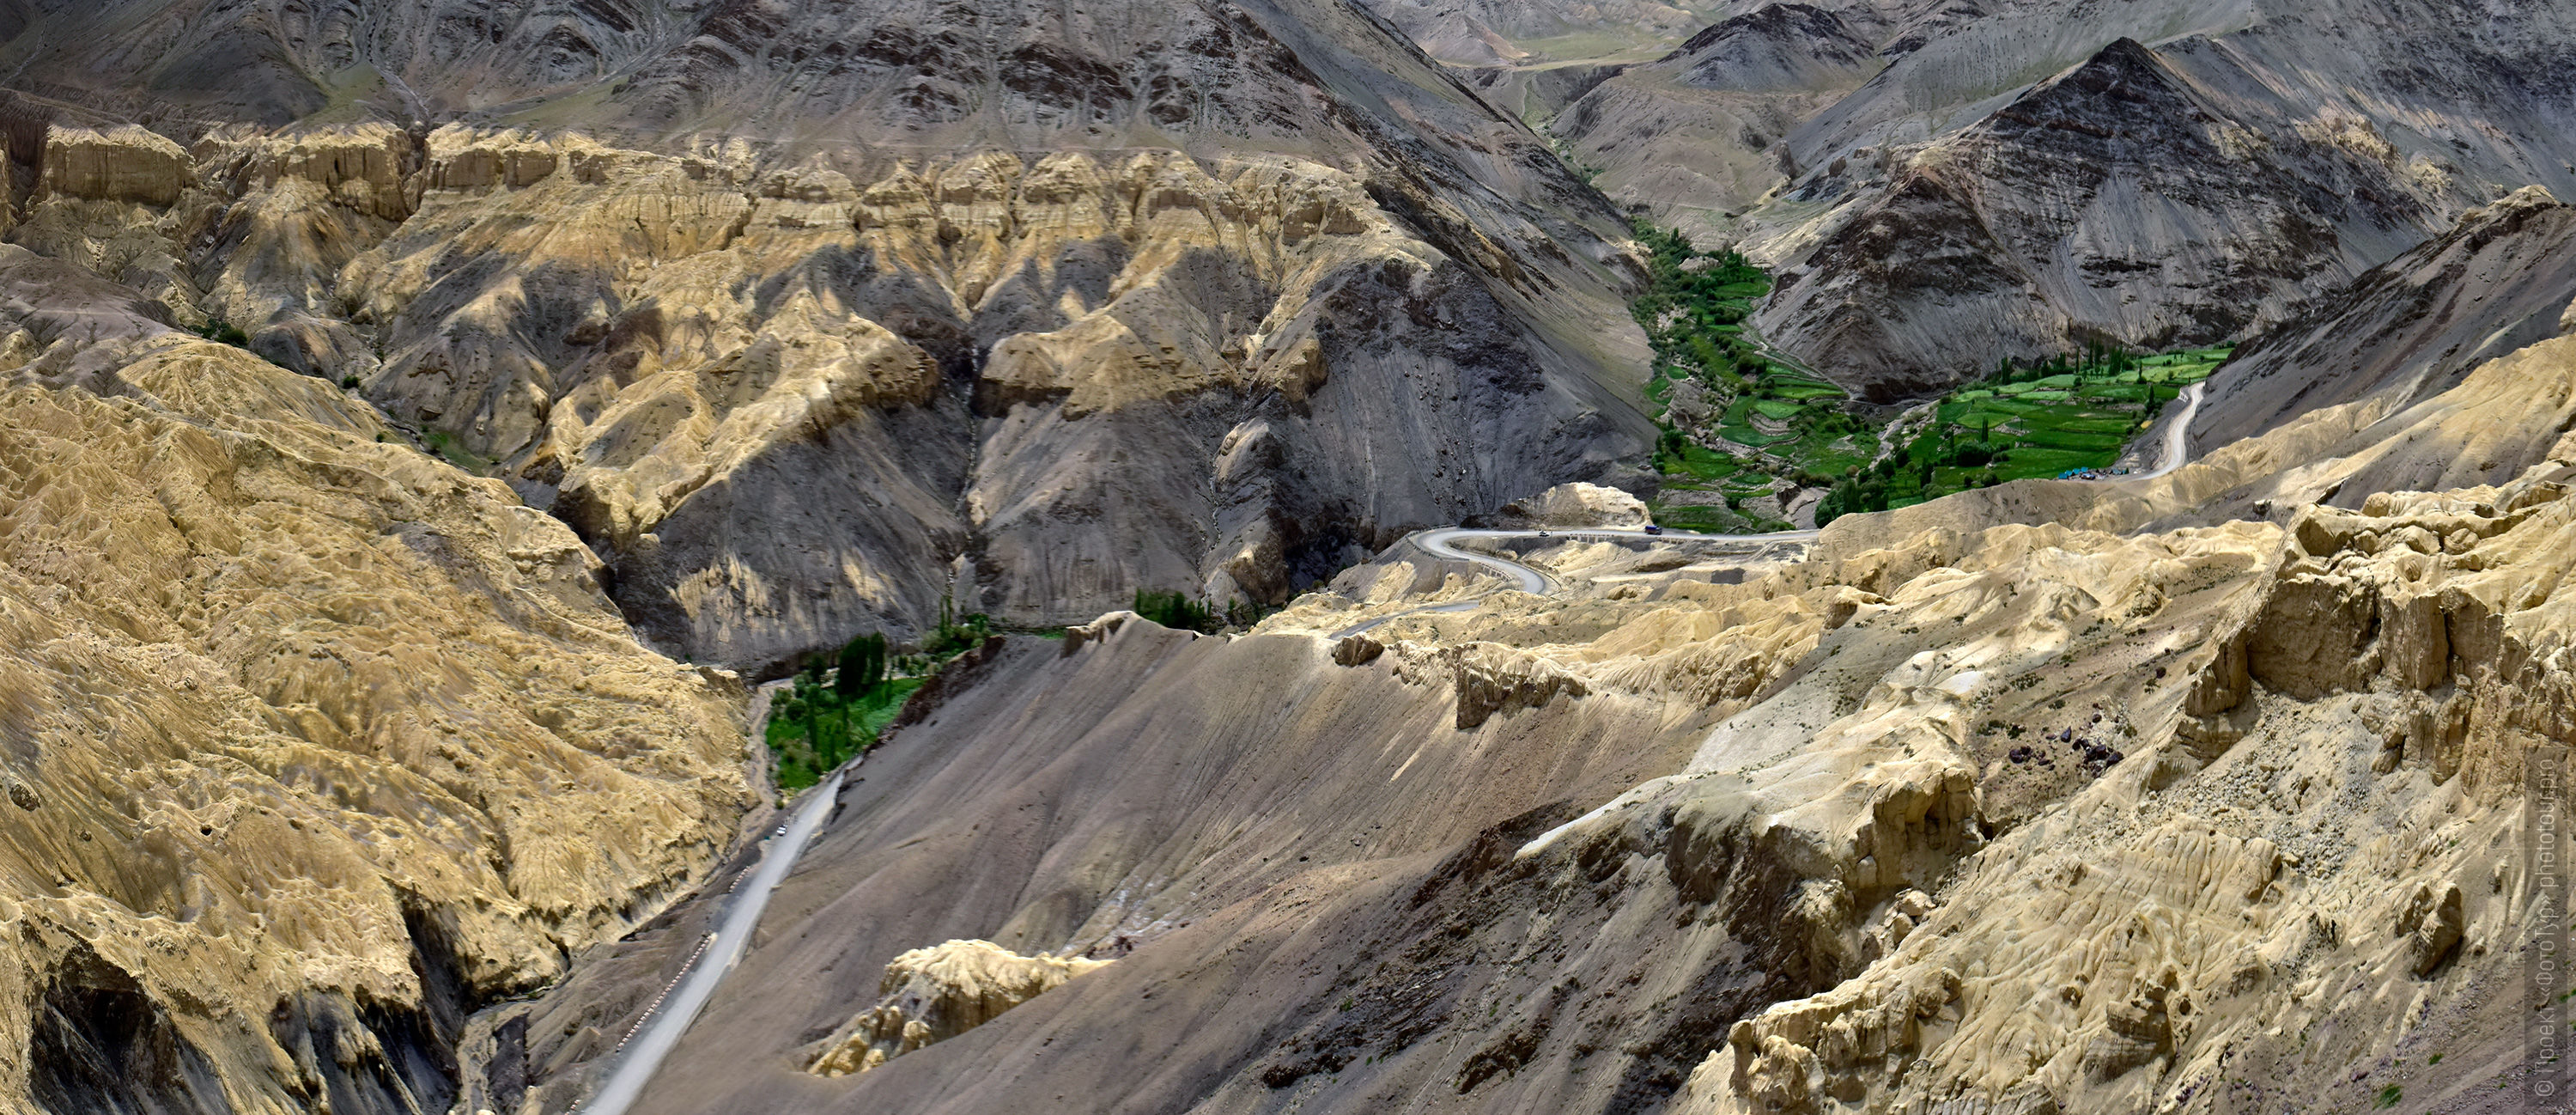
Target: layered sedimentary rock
[119,164]
[315,743]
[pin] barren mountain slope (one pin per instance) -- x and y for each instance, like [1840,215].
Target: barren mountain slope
[794,333]
[1697,134]
[1519,34]
[314,744]
[2029,817]
[2029,175]
[2502,279]
[1948,65]
[2106,201]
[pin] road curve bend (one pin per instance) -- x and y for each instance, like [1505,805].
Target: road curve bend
[2177,436]
[1443,542]
[661,1029]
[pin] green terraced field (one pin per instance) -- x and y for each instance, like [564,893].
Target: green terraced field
[2022,423]
[2068,412]
[1693,312]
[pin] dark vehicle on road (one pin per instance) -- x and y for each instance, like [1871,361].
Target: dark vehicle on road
[1653,529]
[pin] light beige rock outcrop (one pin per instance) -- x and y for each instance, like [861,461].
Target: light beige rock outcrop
[124,163]
[2078,965]
[933,994]
[1582,505]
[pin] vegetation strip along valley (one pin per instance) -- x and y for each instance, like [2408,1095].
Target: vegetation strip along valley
[1745,430]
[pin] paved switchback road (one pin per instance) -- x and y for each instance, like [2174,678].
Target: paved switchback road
[1443,542]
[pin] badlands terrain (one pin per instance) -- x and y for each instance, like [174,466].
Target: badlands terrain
[432,435]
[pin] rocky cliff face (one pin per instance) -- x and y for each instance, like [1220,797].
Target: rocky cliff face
[315,744]
[1029,329]
[119,164]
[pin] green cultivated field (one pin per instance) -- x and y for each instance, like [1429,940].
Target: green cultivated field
[2039,420]
[1769,418]
[1789,421]
[845,727]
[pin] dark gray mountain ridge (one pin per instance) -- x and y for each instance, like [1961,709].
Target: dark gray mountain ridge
[2196,186]
[2502,280]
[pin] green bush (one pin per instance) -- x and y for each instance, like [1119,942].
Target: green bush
[955,636]
[224,332]
[1178,612]
[1867,492]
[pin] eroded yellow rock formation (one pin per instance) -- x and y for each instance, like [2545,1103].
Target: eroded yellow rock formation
[126,163]
[313,740]
[933,994]
[2314,839]
[635,338]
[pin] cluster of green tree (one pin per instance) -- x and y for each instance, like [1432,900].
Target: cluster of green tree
[1181,613]
[1710,298]
[834,710]
[840,700]
[2097,361]
[1176,611]
[1911,472]
[954,636]
[1669,447]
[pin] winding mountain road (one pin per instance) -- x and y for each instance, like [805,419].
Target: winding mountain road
[652,1039]
[1443,542]
[2177,435]
[645,1046]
